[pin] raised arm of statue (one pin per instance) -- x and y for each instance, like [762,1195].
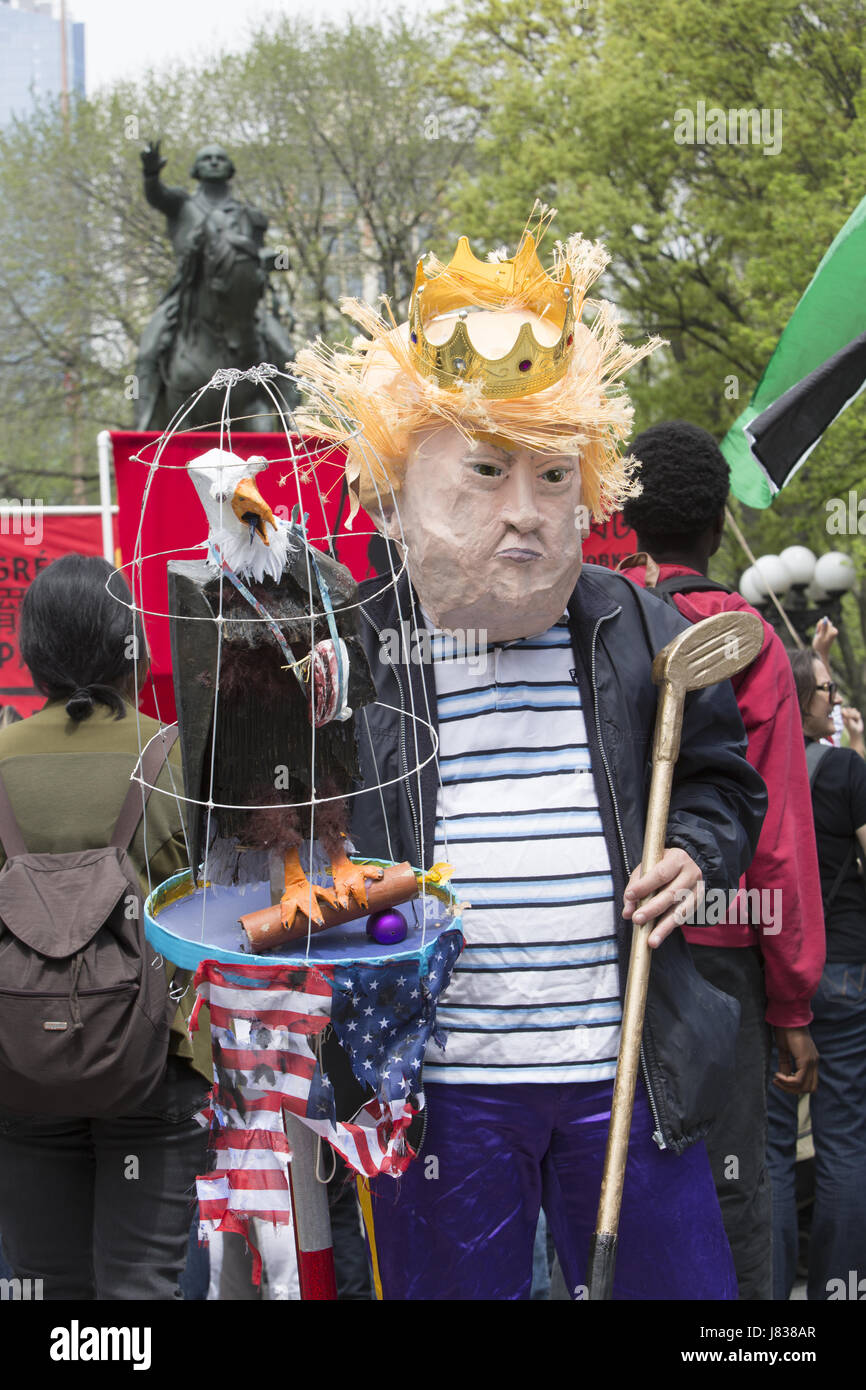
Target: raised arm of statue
[164,199]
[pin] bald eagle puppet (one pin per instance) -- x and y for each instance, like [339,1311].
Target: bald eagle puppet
[265,708]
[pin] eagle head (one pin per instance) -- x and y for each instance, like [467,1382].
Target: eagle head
[238,516]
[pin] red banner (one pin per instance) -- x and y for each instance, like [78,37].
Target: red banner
[607,545]
[27,545]
[161,518]
[170,520]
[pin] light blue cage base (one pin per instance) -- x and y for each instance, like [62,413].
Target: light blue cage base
[173,922]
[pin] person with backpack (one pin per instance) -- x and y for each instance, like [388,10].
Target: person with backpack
[765,947]
[837,1243]
[99,1084]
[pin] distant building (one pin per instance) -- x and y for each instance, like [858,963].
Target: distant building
[30,55]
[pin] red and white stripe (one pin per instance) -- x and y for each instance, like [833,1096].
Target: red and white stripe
[252,1153]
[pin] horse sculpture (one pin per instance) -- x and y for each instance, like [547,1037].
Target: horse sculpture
[211,317]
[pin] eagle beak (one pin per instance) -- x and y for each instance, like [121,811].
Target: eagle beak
[250,507]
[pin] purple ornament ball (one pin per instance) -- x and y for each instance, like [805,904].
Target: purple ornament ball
[387,927]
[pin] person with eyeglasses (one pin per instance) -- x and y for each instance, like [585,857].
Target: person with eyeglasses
[838,1106]
[847,718]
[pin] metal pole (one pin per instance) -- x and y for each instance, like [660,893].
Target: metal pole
[312,1218]
[105,455]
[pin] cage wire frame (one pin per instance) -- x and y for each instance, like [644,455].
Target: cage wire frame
[265,375]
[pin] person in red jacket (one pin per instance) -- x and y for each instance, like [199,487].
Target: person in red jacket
[766,946]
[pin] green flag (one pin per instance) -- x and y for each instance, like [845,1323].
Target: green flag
[815,371]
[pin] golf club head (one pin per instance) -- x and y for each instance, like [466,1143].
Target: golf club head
[709,651]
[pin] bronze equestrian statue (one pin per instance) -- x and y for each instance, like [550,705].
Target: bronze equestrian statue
[211,316]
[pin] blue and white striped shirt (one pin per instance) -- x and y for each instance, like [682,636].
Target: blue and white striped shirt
[535,995]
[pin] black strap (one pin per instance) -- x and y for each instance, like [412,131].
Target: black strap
[837,882]
[148,768]
[686,584]
[815,754]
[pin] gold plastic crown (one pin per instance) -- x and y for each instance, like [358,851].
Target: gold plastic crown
[467,283]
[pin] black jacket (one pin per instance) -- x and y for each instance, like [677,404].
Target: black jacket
[717,805]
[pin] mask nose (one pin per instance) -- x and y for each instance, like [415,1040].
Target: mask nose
[520,508]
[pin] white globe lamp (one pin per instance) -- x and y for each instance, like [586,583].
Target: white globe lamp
[772,574]
[835,572]
[751,589]
[799,561]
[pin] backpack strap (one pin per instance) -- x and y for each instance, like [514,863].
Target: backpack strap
[687,584]
[148,768]
[837,882]
[10,831]
[815,753]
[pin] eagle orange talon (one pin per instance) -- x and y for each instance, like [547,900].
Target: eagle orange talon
[299,899]
[300,895]
[351,879]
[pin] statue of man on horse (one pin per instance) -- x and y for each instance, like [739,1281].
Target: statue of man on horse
[211,316]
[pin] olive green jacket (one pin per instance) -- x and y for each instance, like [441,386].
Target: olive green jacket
[67,782]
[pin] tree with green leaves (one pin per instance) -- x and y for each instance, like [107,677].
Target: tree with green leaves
[339,135]
[715,226]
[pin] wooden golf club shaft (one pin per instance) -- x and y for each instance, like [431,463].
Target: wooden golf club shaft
[710,651]
[264,927]
[603,1248]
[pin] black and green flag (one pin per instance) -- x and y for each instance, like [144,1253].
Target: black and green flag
[817,369]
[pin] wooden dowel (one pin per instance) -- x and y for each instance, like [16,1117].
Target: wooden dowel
[265,930]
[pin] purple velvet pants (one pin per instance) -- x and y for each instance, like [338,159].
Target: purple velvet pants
[460,1222]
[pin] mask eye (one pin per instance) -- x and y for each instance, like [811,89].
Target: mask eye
[555,475]
[487,470]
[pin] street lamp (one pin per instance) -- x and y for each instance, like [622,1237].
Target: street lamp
[812,587]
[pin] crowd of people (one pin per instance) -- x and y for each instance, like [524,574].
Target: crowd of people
[70,1216]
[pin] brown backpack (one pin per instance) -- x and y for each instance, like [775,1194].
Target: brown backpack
[84,1015]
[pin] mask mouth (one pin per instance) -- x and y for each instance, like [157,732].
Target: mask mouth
[522,554]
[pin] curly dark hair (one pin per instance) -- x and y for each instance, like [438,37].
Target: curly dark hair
[685,479]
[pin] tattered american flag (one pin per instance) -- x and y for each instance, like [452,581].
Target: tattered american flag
[267,1024]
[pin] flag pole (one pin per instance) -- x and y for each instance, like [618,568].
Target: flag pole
[311,1217]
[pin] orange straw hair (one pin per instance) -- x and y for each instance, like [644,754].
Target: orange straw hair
[372,398]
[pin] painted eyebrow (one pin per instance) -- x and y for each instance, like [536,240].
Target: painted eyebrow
[483,452]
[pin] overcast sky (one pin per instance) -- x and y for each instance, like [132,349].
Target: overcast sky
[126,37]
